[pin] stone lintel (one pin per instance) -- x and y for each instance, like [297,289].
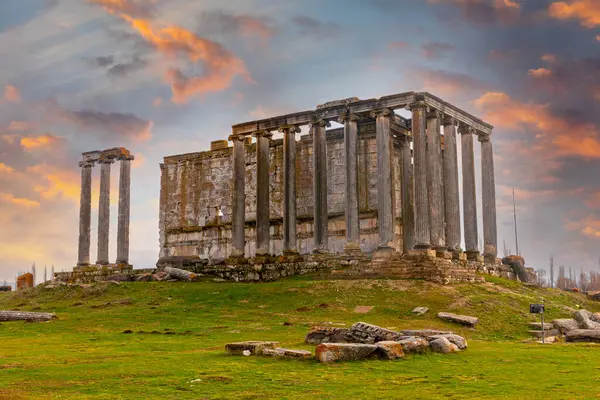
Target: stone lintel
[91,156]
[115,153]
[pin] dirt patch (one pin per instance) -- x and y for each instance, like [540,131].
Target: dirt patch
[303,309]
[363,309]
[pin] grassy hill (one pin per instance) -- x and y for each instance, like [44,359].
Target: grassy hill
[86,354]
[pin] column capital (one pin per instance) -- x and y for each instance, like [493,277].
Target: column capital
[126,158]
[289,129]
[448,120]
[106,160]
[484,138]
[348,117]
[382,112]
[466,129]
[262,133]
[323,123]
[236,137]
[417,105]
[86,164]
[432,114]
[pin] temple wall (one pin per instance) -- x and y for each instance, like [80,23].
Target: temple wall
[195,186]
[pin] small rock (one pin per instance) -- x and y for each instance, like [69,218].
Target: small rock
[389,350]
[414,345]
[461,319]
[287,353]
[583,335]
[330,352]
[443,345]
[420,310]
[246,353]
[254,347]
[459,341]
[565,325]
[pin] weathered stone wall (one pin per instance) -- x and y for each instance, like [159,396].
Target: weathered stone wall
[195,186]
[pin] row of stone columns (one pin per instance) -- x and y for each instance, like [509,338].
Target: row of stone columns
[104,211]
[430,198]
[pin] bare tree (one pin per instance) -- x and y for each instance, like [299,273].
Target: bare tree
[584,283]
[561,283]
[505,250]
[33,272]
[541,277]
[52,273]
[45,274]
[552,271]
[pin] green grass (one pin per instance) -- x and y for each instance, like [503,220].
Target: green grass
[85,354]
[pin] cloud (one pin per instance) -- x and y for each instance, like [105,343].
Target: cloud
[220,66]
[124,69]
[55,182]
[9,198]
[103,61]
[549,58]
[5,168]
[399,45]
[484,12]
[586,11]
[157,102]
[139,9]
[540,72]
[19,126]
[448,83]
[435,49]
[317,29]
[588,226]
[262,28]
[12,94]
[42,141]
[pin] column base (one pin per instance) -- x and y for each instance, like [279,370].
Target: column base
[352,248]
[291,255]
[422,246]
[382,252]
[422,253]
[459,255]
[320,250]
[236,260]
[440,251]
[474,255]
[447,255]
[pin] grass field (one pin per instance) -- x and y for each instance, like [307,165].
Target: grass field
[85,354]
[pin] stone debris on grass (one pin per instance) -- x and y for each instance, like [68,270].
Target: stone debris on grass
[319,334]
[331,352]
[460,319]
[423,332]
[288,353]
[565,325]
[254,347]
[361,332]
[443,345]
[583,335]
[420,310]
[389,350]
[584,318]
[414,345]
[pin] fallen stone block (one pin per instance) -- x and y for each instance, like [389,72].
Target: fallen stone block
[538,326]
[443,345]
[389,350]
[583,335]
[538,334]
[459,341]
[414,345]
[565,325]
[331,352]
[420,310]
[361,332]
[254,347]
[424,332]
[584,318]
[318,335]
[287,353]
[144,278]
[460,319]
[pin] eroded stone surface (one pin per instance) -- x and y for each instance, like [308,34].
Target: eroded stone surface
[459,341]
[584,318]
[389,350]
[287,353]
[420,310]
[320,334]
[254,347]
[414,345]
[361,332]
[583,335]
[538,325]
[331,352]
[424,332]
[460,319]
[565,324]
[443,345]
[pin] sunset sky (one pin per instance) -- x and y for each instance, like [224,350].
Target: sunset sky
[163,77]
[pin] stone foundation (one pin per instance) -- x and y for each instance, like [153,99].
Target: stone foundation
[99,273]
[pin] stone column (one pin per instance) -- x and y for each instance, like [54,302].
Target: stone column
[350,122]
[124,211]
[451,199]
[469,194]
[408,207]
[263,213]
[435,182]
[85,213]
[162,231]
[104,210]
[422,232]
[488,189]
[385,209]
[290,245]
[321,213]
[238,204]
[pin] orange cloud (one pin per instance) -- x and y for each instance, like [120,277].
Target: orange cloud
[598,38]
[220,65]
[5,168]
[19,126]
[587,11]
[549,58]
[9,198]
[588,226]
[564,138]
[594,201]
[12,94]
[35,142]
[540,72]
[56,182]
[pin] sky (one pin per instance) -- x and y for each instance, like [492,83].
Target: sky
[167,77]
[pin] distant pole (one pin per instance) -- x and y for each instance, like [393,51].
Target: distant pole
[515,218]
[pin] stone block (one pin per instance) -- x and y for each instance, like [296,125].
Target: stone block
[424,332]
[287,353]
[565,325]
[420,310]
[331,352]
[318,335]
[443,345]
[361,332]
[459,341]
[429,253]
[538,326]
[218,145]
[537,333]
[583,335]
[460,319]
[413,345]
[389,350]
[444,254]
[254,347]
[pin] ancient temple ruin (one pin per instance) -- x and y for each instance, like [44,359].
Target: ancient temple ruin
[105,159]
[382,187]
